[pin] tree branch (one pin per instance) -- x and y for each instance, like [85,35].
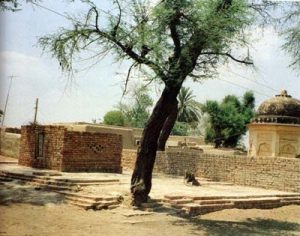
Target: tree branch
[174,34]
[114,33]
[127,77]
[124,47]
[228,55]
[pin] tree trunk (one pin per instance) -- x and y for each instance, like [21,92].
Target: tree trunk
[141,180]
[167,128]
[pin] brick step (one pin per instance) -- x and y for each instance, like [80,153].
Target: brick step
[106,205]
[290,202]
[257,204]
[91,197]
[177,197]
[46,173]
[195,209]
[79,200]
[91,181]
[107,202]
[94,183]
[291,198]
[110,207]
[102,203]
[288,195]
[269,205]
[260,206]
[255,200]
[217,201]
[174,197]
[54,187]
[81,205]
[39,182]
[50,182]
[175,206]
[90,204]
[180,201]
[9,162]
[5,179]
[22,176]
[58,181]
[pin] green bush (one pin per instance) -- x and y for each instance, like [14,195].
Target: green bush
[228,119]
[180,128]
[114,118]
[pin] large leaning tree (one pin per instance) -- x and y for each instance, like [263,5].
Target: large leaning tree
[173,39]
[188,111]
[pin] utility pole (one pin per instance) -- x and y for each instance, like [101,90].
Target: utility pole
[36,110]
[6,101]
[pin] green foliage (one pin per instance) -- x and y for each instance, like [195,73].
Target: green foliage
[189,110]
[180,128]
[228,119]
[248,100]
[13,5]
[9,5]
[114,118]
[137,112]
[174,39]
[189,113]
[292,34]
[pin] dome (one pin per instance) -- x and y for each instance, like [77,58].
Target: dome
[280,109]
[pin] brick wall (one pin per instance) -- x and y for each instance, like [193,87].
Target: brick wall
[52,148]
[273,173]
[128,159]
[84,151]
[69,150]
[173,161]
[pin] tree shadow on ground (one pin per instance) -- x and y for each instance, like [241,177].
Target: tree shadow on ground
[253,226]
[250,226]
[18,192]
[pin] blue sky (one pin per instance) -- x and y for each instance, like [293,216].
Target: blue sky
[92,93]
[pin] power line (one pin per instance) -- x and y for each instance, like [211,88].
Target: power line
[63,15]
[51,10]
[261,84]
[230,82]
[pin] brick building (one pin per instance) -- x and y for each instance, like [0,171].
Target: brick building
[56,148]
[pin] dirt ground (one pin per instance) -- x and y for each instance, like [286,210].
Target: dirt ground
[25,210]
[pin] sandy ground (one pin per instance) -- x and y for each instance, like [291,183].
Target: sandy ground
[25,210]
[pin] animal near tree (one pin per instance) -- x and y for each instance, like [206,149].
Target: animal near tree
[173,39]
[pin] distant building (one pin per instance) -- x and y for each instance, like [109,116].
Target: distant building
[275,132]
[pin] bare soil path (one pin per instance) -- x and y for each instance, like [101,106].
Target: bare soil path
[25,210]
[28,210]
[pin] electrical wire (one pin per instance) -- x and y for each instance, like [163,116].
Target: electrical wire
[230,82]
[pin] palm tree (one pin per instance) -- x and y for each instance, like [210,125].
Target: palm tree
[188,110]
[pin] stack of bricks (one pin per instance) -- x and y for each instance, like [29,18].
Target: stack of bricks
[70,151]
